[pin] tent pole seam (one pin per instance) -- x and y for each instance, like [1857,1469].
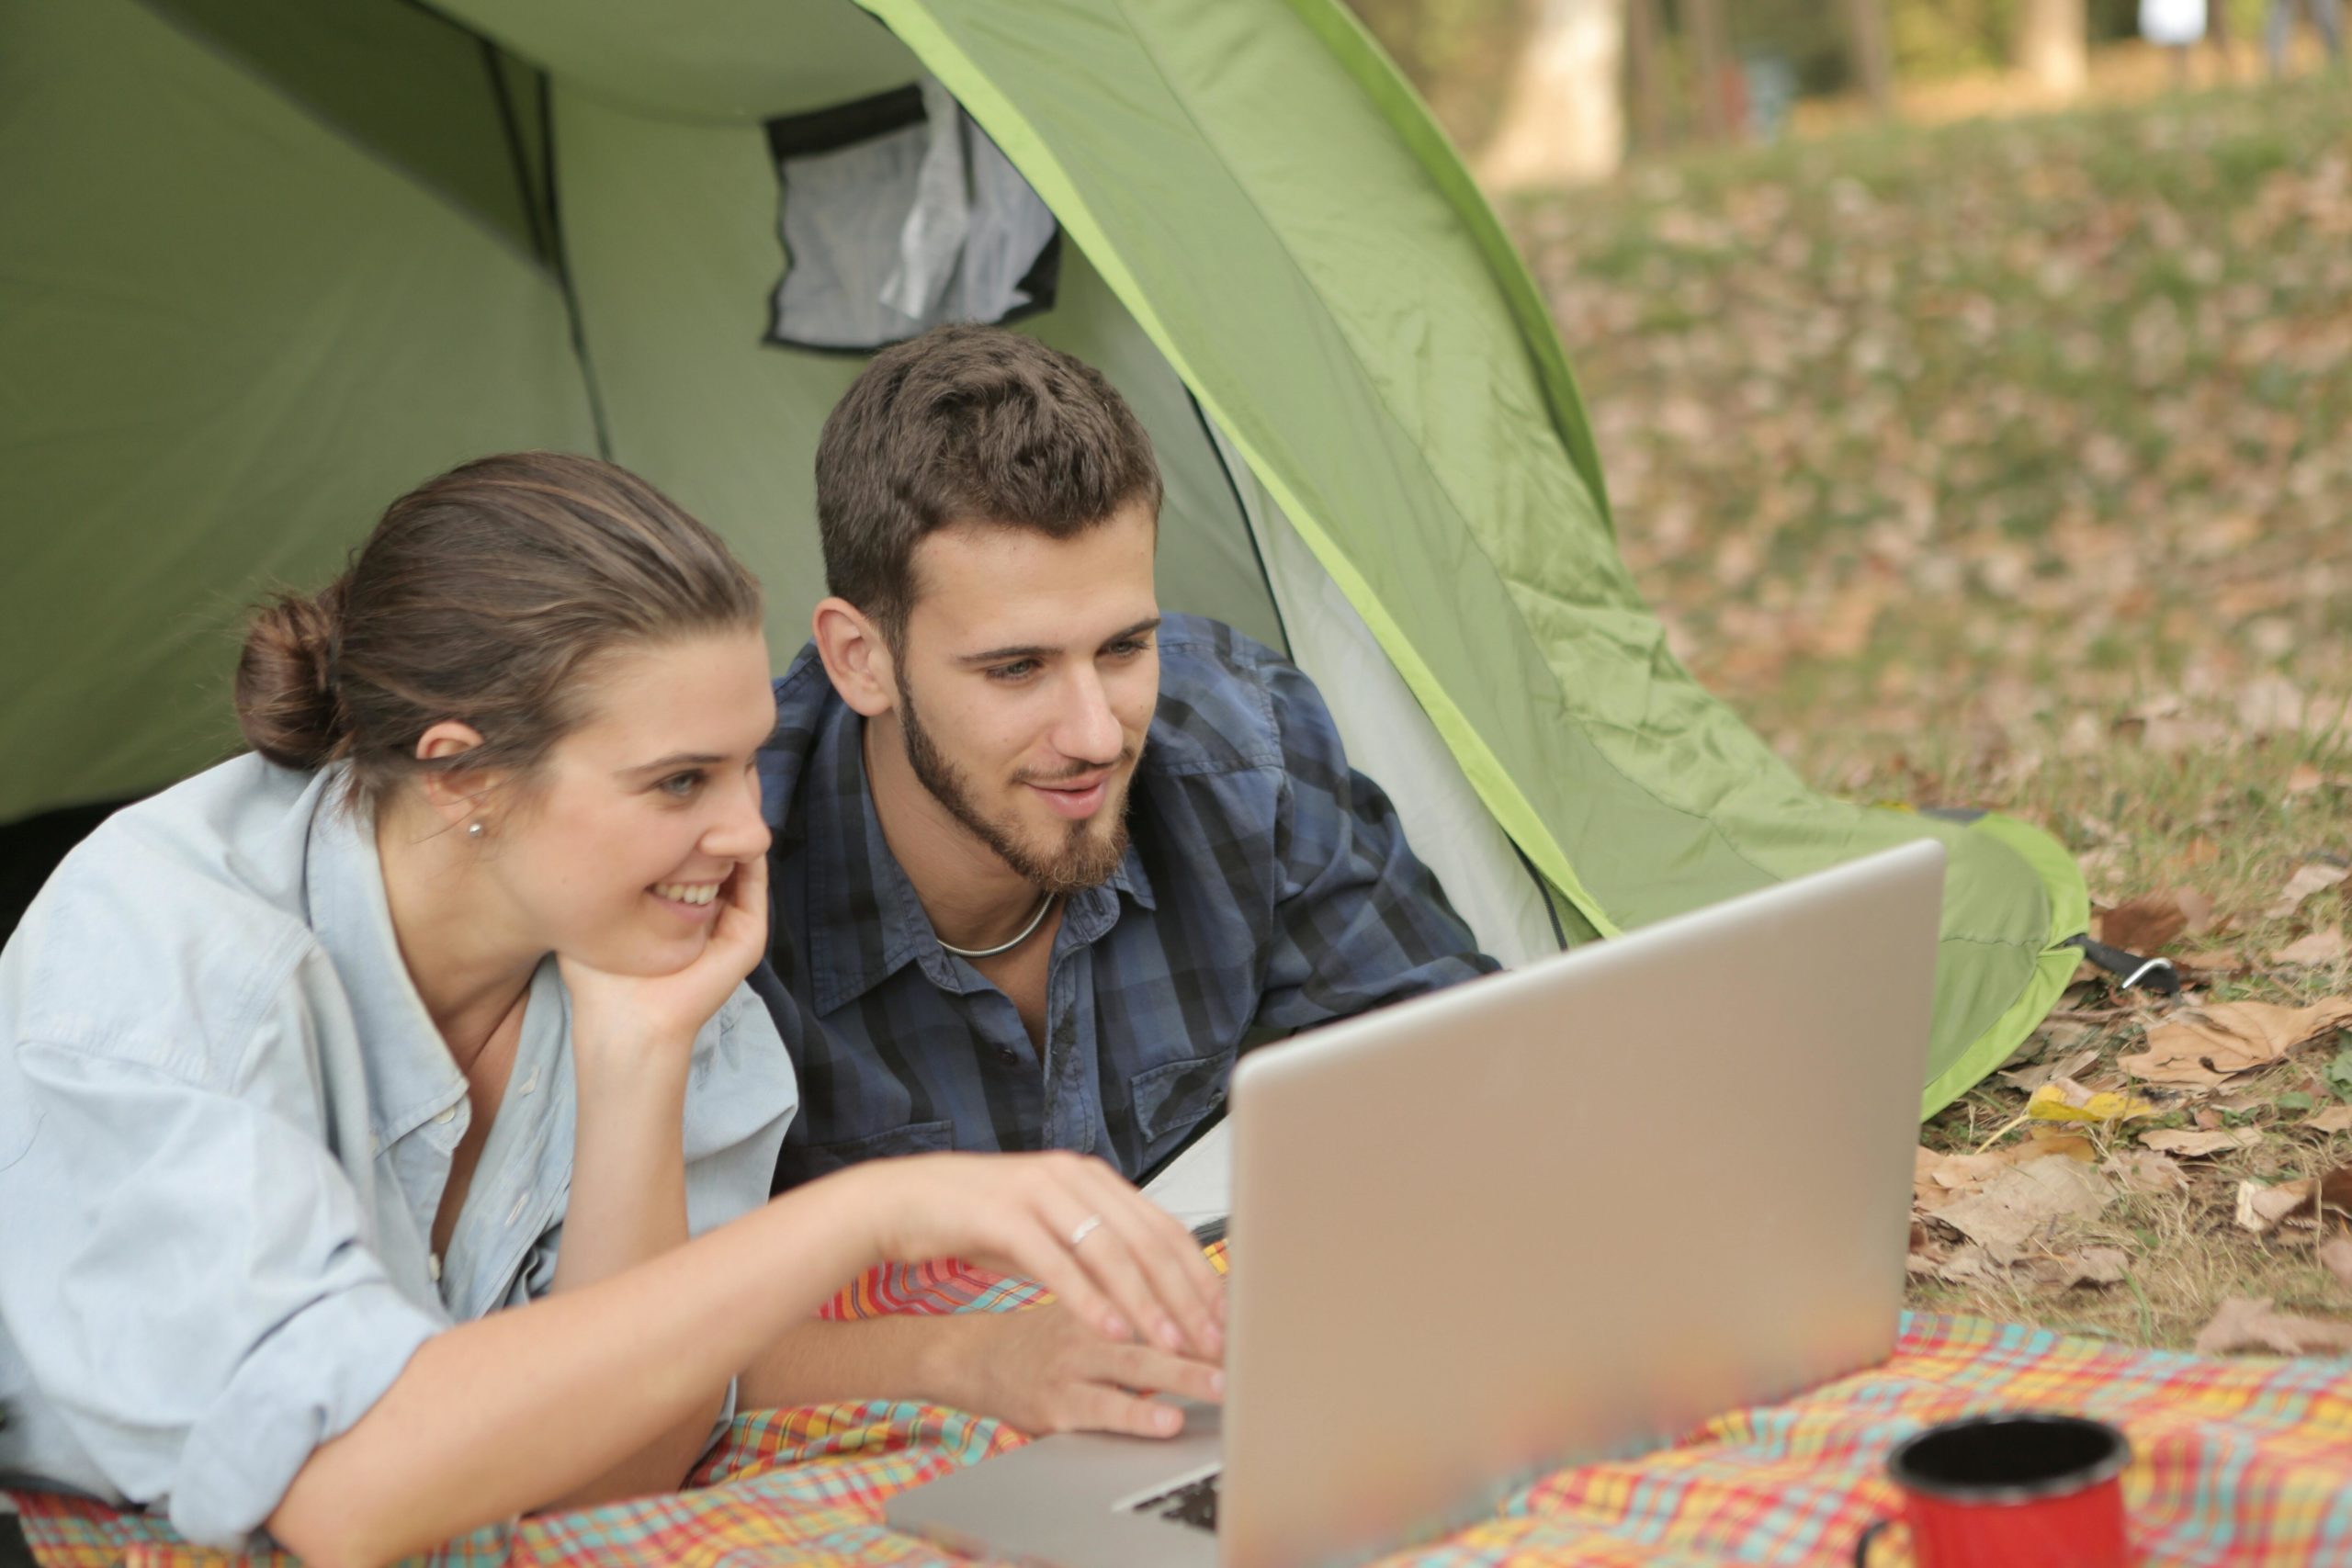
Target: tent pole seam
[563,255]
[513,129]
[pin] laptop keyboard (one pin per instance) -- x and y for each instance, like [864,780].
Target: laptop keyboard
[1193,1504]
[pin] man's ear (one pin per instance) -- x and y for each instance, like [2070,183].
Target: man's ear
[857,658]
[454,794]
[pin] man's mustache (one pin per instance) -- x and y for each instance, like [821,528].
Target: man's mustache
[1077,772]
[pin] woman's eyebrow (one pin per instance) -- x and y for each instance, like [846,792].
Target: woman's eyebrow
[676,759]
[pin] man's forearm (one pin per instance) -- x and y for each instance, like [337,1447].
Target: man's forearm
[884,1357]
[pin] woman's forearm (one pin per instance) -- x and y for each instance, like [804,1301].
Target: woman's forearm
[628,1204]
[628,1166]
[498,1417]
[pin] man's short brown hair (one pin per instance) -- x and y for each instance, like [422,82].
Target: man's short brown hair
[967,425]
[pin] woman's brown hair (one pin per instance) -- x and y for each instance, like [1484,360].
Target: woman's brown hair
[480,597]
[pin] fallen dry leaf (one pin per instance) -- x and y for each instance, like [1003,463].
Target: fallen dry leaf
[2304,778]
[2206,1046]
[2212,960]
[2315,878]
[2026,1201]
[2262,1209]
[2033,1078]
[1937,1178]
[2335,1255]
[2144,1171]
[2154,920]
[2253,1323]
[2334,1119]
[1969,1263]
[2316,951]
[2185,1145]
[2064,1099]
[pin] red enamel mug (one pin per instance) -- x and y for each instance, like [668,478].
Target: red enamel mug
[2011,1490]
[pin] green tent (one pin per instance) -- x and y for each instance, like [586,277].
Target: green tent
[270,261]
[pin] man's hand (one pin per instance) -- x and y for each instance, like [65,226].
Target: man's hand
[1042,1370]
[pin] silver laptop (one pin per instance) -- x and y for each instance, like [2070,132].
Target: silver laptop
[1553,1215]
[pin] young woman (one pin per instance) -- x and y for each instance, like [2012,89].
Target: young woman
[359,1097]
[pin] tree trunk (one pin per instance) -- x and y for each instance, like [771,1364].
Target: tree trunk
[2053,46]
[1710,65]
[1564,121]
[1642,76]
[1873,61]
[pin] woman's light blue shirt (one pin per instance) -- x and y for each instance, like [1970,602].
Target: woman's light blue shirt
[226,1121]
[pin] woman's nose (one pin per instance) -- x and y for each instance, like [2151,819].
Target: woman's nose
[741,831]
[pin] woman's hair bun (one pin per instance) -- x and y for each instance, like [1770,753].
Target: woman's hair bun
[287,705]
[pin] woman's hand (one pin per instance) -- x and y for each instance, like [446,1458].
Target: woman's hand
[642,1013]
[1120,1265]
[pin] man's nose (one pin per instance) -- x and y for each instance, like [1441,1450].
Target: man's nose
[1089,730]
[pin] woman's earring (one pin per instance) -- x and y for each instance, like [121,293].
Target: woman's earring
[473,829]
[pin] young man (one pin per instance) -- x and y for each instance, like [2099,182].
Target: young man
[1046,858]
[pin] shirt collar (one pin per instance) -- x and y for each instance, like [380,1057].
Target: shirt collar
[866,921]
[410,1077]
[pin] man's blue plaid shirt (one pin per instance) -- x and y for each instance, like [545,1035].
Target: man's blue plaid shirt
[1267,888]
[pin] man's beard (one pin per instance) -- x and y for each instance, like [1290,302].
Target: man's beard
[1087,855]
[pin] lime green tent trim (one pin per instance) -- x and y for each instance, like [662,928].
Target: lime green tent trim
[2070,915]
[1356,49]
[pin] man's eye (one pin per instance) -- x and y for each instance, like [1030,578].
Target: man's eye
[1019,670]
[681,786]
[1127,647]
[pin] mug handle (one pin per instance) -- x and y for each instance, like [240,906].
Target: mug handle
[1863,1542]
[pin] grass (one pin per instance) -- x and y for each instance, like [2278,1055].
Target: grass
[2006,464]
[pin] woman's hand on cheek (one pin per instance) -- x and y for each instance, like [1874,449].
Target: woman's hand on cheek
[659,1015]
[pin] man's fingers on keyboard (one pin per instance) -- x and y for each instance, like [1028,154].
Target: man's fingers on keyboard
[1098,1408]
[1141,1366]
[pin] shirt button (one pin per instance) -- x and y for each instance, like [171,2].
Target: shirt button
[446,1117]
[433,1266]
[1007,1053]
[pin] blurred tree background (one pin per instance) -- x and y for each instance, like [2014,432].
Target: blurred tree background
[1458,52]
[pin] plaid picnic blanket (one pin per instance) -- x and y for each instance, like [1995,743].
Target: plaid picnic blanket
[2235,1463]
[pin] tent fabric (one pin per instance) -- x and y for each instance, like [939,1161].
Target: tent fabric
[555,223]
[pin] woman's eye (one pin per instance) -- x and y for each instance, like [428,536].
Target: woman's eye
[681,786]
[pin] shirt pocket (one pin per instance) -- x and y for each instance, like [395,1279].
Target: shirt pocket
[1172,1098]
[915,1138]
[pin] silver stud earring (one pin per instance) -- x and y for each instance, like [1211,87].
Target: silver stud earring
[473,829]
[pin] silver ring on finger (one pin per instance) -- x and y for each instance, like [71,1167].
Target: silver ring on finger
[1086,1227]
